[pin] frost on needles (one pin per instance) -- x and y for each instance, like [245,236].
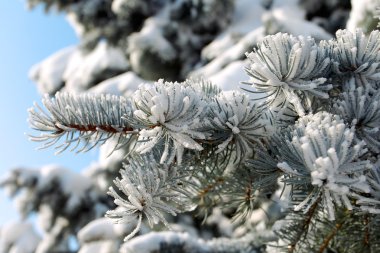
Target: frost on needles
[312,142]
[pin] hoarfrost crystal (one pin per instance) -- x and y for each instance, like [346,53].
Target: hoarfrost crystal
[320,149]
[362,110]
[245,121]
[356,54]
[171,114]
[148,188]
[288,68]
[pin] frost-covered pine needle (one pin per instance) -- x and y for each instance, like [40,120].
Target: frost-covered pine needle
[83,120]
[287,67]
[171,114]
[321,150]
[361,109]
[241,121]
[149,190]
[358,55]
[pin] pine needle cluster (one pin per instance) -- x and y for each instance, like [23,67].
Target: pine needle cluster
[312,142]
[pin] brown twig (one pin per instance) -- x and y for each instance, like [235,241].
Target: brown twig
[366,230]
[327,240]
[305,226]
[210,187]
[93,128]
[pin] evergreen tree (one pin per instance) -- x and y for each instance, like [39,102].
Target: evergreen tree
[288,163]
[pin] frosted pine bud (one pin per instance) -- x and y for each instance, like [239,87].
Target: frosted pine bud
[148,190]
[358,55]
[372,203]
[240,121]
[288,68]
[321,152]
[171,114]
[362,110]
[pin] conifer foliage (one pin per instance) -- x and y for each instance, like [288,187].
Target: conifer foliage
[288,163]
[319,158]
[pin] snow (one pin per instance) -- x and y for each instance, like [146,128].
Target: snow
[83,69]
[361,14]
[124,84]
[268,211]
[103,229]
[184,228]
[151,37]
[51,239]
[278,21]
[230,77]
[152,241]
[18,237]
[159,241]
[48,73]
[234,53]
[100,247]
[149,49]
[223,224]
[117,6]
[291,4]
[33,181]
[45,217]
[105,159]
[73,21]
[77,70]
[247,30]
[73,184]
[246,18]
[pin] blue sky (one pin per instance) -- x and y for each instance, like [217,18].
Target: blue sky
[27,37]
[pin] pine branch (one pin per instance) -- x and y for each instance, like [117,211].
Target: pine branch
[148,190]
[319,157]
[320,153]
[166,117]
[361,109]
[172,112]
[244,121]
[85,120]
[358,233]
[305,226]
[366,230]
[288,68]
[208,193]
[246,190]
[327,240]
[357,55]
